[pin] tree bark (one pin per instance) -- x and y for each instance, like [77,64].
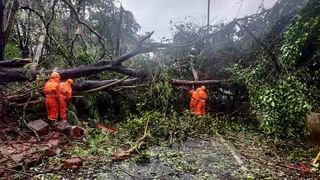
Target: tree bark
[21,74]
[14,63]
[37,56]
[90,84]
[2,34]
[3,108]
[118,52]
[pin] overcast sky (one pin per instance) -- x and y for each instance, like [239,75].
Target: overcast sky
[157,14]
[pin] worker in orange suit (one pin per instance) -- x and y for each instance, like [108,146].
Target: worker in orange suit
[51,89]
[65,94]
[201,103]
[193,100]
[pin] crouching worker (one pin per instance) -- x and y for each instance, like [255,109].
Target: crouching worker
[51,90]
[65,94]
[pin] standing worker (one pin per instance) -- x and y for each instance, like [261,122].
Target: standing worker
[201,103]
[193,100]
[51,90]
[65,94]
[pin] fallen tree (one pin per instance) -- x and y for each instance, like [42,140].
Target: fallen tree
[23,71]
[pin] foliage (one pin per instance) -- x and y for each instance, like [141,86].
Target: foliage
[298,36]
[166,128]
[96,143]
[282,100]
[282,107]
[178,161]
[12,51]
[280,103]
[159,95]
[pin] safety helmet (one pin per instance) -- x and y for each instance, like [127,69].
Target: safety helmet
[55,75]
[70,81]
[203,88]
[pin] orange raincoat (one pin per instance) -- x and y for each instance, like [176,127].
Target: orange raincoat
[51,89]
[65,94]
[201,103]
[193,100]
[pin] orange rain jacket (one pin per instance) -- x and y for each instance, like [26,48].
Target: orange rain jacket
[51,89]
[65,94]
[201,103]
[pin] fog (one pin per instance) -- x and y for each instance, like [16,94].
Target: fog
[157,14]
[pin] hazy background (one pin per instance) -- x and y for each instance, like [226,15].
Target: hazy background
[157,14]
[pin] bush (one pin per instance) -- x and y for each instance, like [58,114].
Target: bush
[282,108]
[282,99]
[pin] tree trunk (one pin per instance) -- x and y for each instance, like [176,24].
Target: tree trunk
[3,109]
[2,34]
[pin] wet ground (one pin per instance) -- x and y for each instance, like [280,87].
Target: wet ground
[240,155]
[195,159]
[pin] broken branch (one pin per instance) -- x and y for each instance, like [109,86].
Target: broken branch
[105,86]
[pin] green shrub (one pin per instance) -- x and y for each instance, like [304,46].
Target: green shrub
[12,51]
[282,108]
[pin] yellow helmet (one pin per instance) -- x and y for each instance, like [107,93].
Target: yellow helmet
[70,81]
[203,88]
[55,75]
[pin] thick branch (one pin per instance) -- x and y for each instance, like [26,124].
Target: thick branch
[100,37]
[20,74]
[91,84]
[10,18]
[47,26]
[177,82]
[269,52]
[105,86]
[14,63]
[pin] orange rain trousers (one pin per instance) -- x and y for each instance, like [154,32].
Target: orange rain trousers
[65,94]
[52,103]
[201,103]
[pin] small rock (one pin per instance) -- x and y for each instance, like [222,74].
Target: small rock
[72,163]
[41,127]
[64,127]
[53,143]
[106,128]
[77,132]
[17,158]
[58,151]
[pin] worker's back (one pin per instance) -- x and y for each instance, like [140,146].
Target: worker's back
[202,95]
[194,94]
[65,94]
[51,90]
[51,87]
[65,89]
[201,103]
